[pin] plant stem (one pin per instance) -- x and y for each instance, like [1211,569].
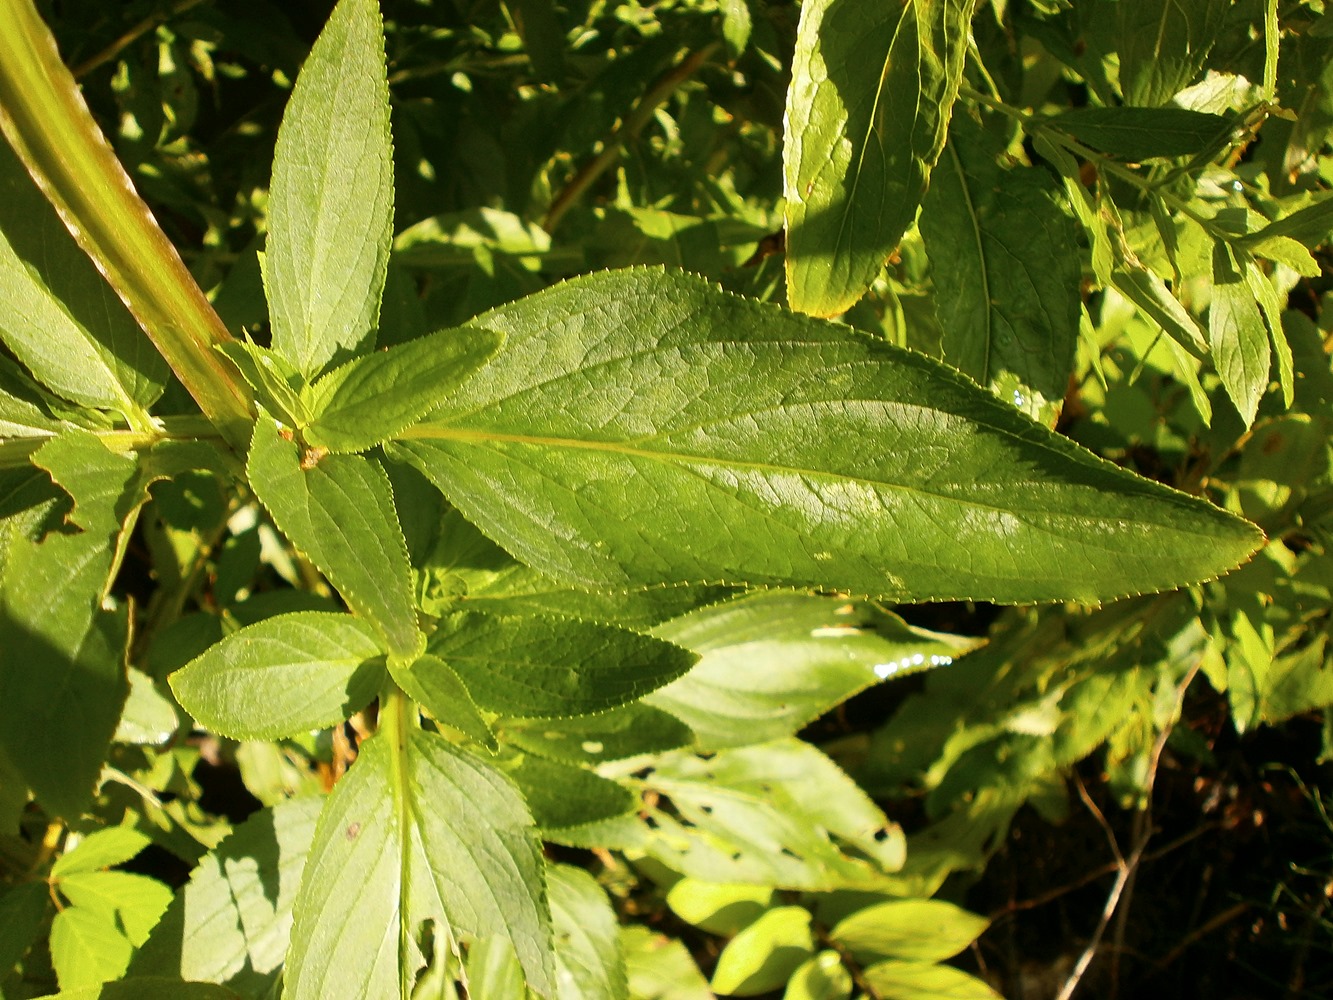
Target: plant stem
[45,119]
[14,452]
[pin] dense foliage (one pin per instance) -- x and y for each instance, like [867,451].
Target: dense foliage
[595,500]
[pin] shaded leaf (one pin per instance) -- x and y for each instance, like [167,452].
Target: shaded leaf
[1163,45]
[1142,133]
[613,735]
[231,922]
[1005,265]
[588,961]
[437,688]
[562,795]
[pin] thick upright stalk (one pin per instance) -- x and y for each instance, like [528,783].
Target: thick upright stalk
[45,119]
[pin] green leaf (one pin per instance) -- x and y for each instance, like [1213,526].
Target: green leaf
[642,427]
[415,833]
[133,903]
[56,723]
[719,909]
[590,739]
[149,717]
[763,956]
[277,384]
[330,213]
[22,909]
[922,930]
[101,849]
[1005,265]
[1310,226]
[283,676]
[553,667]
[370,399]
[231,923]
[561,795]
[87,948]
[340,513]
[771,663]
[822,977]
[58,315]
[1142,133]
[923,981]
[873,85]
[437,688]
[1163,45]
[588,961]
[1237,335]
[147,988]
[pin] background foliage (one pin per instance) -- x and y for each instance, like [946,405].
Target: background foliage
[1122,232]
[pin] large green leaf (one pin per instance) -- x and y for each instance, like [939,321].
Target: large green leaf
[417,833]
[771,663]
[231,923]
[282,676]
[58,315]
[590,739]
[331,200]
[1005,263]
[553,667]
[62,669]
[642,427]
[873,85]
[1143,133]
[371,398]
[340,513]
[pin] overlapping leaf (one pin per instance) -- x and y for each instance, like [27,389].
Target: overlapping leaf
[642,427]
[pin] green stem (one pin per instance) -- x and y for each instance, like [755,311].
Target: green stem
[14,452]
[45,119]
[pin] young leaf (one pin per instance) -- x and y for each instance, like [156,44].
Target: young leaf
[22,909]
[1005,265]
[771,663]
[131,903]
[371,398]
[1237,335]
[417,831]
[553,667]
[276,383]
[101,849]
[231,923]
[283,676]
[873,85]
[340,513]
[58,315]
[331,199]
[642,427]
[588,961]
